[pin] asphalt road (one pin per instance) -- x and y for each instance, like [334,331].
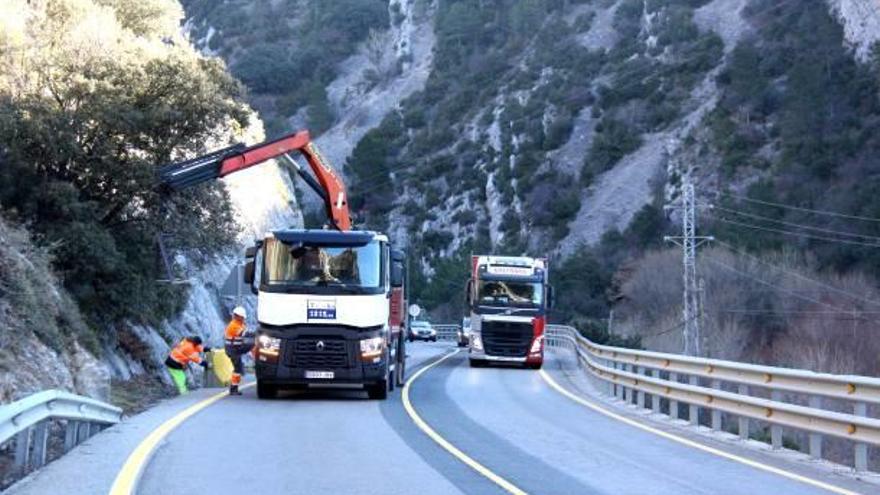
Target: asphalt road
[337,442]
[303,442]
[510,420]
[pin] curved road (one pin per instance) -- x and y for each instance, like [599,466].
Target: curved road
[509,420]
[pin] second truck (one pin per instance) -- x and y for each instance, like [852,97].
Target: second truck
[508,299]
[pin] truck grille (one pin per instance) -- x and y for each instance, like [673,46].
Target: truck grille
[507,338]
[307,353]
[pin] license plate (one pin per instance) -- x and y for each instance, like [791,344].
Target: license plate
[321,375]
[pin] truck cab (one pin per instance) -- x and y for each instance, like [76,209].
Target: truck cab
[326,311]
[508,299]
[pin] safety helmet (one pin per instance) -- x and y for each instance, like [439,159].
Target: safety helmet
[240,311]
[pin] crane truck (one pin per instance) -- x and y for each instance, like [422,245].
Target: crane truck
[330,301]
[508,299]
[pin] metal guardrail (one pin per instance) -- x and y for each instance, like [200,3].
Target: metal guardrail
[651,377]
[27,422]
[446,331]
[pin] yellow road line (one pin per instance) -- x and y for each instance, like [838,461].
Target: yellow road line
[127,479]
[690,443]
[452,449]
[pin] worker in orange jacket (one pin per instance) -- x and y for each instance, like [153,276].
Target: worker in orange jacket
[186,352]
[236,347]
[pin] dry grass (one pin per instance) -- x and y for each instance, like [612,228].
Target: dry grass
[757,313]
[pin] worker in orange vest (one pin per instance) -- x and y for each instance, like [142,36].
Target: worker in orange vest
[236,347]
[186,352]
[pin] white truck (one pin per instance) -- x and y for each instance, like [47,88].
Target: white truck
[330,301]
[508,299]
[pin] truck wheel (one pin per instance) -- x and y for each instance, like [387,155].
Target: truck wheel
[534,366]
[477,363]
[400,368]
[378,391]
[389,376]
[266,391]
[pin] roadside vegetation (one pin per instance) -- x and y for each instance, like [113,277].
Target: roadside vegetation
[94,96]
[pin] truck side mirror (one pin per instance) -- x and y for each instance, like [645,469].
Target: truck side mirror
[250,269]
[396,274]
[551,296]
[398,256]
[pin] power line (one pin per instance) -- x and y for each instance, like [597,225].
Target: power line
[807,210]
[799,234]
[664,332]
[773,286]
[797,225]
[798,275]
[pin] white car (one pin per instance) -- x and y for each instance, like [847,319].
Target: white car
[421,330]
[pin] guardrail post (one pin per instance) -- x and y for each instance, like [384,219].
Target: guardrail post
[609,384]
[816,438]
[861,454]
[640,395]
[776,430]
[618,385]
[693,410]
[655,399]
[743,389]
[22,448]
[82,432]
[70,435]
[673,404]
[41,436]
[716,414]
[627,391]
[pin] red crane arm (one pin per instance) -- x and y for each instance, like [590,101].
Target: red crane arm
[221,163]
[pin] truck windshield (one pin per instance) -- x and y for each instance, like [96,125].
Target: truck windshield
[342,269]
[510,293]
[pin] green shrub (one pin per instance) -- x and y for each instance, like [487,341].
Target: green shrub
[614,140]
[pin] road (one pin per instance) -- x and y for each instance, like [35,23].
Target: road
[510,421]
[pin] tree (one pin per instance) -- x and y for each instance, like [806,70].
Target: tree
[86,117]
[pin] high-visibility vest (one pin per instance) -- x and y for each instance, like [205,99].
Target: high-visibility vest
[186,352]
[235,332]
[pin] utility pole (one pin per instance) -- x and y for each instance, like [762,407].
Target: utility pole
[689,241]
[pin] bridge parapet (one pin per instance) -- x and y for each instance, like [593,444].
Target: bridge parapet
[751,393]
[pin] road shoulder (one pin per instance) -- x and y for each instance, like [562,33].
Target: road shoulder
[92,466]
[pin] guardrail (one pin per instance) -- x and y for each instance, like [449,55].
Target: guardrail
[27,423]
[650,378]
[446,331]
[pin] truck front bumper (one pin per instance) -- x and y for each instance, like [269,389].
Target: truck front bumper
[284,375]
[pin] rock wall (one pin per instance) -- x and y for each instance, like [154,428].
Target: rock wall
[861,24]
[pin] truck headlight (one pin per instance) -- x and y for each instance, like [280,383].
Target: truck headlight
[372,349]
[476,342]
[268,346]
[537,344]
